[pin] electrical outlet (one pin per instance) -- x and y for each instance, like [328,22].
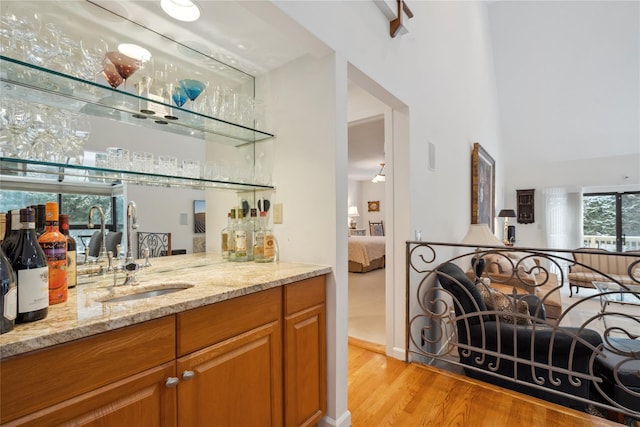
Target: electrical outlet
[277,213]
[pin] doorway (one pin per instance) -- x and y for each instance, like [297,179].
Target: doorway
[611,221]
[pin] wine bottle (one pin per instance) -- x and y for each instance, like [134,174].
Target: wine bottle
[3,227]
[224,234]
[72,255]
[30,265]
[54,245]
[8,295]
[40,219]
[10,242]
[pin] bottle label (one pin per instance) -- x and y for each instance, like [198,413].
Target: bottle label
[71,268]
[33,289]
[269,246]
[11,304]
[225,243]
[241,242]
[54,251]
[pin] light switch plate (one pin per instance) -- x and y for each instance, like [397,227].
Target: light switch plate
[277,213]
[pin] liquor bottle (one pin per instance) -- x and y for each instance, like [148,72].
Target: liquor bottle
[253,225]
[30,265]
[231,243]
[54,245]
[40,219]
[3,227]
[72,255]
[265,247]
[241,251]
[224,234]
[8,295]
[11,240]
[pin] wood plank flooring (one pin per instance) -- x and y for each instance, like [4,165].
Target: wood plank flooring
[388,392]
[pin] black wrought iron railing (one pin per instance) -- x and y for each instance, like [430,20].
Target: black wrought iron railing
[505,315]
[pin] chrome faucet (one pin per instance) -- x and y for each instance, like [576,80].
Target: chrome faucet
[103,245]
[132,224]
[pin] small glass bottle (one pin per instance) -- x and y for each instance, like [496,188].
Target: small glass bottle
[8,295]
[253,225]
[72,255]
[265,247]
[54,245]
[30,265]
[231,242]
[241,251]
[224,235]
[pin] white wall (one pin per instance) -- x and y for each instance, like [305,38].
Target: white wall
[568,86]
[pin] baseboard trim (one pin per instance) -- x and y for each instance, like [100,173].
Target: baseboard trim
[343,421]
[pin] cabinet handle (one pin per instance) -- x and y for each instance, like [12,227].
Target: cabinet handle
[187,375]
[172,382]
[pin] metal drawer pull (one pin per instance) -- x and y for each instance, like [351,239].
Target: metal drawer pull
[187,375]
[172,381]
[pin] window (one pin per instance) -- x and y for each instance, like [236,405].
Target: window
[611,221]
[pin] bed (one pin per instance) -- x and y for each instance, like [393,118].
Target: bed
[366,253]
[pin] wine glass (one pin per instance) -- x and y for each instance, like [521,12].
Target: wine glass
[179,96]
[124,65]
[192,88]
[110,73]
[92,55]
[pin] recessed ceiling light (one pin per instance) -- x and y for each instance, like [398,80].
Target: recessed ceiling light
[182,10]
[134,51]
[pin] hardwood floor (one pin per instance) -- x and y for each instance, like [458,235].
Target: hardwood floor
[387,392]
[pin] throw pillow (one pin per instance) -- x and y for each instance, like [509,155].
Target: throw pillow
[497,301]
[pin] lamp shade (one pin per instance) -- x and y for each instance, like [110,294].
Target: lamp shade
[479,234]
[507,213]
[353,211]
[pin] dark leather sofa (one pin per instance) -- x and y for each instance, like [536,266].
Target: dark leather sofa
[501,353]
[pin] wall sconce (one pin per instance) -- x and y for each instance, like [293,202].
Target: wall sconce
[353,214]
[380,177]
[507,238]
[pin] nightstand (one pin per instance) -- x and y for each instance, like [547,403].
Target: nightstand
[357,232]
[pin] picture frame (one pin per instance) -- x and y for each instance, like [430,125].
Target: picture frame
[373,206]
[483,186]
[199,217]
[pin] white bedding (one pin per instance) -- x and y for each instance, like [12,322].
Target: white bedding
[364,249]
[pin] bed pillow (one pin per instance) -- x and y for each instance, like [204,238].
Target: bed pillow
[498,301]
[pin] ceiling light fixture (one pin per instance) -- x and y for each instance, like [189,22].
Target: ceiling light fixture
[134,51]
[182,10]
[380,177]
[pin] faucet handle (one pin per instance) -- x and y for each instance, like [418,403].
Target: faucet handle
[118,249]
[110,258]
[86,254]
[146,257]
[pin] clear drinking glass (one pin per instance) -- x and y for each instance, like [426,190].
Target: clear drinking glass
[142,162]
[191,168]
[167,165]
[118,158]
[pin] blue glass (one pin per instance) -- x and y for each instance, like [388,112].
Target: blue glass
[179,96]
[193,88]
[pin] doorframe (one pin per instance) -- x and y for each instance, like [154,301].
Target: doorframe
[396,208]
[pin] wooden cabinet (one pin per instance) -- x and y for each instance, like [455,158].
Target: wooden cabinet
[233,363]
[305,352]
[107,379]
[236,379]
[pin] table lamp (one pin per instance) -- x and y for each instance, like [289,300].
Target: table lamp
[480,235]
[506,214]
[353,213]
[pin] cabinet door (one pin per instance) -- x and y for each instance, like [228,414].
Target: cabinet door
[140,400]
[237,382]
[305,352]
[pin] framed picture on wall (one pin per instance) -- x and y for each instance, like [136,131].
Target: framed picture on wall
[374,206]
[483,177]
[199,217]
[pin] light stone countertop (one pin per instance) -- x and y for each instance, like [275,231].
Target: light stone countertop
[211,279]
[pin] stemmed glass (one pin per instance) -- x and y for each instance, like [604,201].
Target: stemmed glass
[92,56]
[124,65]
[110,73]
[179,96]
[192,88]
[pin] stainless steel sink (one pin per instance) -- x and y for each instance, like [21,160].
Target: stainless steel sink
[135,293]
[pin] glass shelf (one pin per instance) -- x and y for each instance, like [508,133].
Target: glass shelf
[77,174]
[29,82]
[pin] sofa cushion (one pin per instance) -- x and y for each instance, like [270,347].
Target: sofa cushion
[498,301]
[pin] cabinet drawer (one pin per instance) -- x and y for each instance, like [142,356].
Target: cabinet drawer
[304,294]
[204,326]
[40,379]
